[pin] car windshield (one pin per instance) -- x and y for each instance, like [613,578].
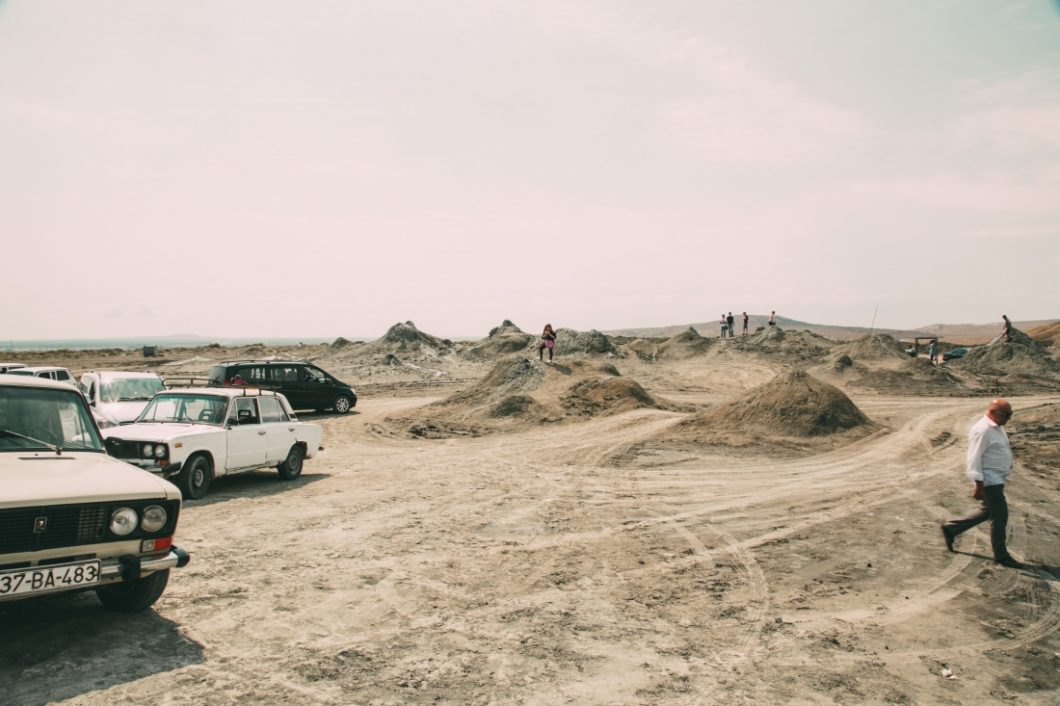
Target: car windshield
[130,389]
[186,409]
[41,419]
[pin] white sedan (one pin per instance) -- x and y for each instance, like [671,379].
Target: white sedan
[194,435]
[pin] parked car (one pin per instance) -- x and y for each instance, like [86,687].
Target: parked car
[4,367]
[197,434]
[46,371]
[71,517]
[303,384]
[119,397]
[955,354]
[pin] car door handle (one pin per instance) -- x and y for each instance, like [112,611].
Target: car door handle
[261,433]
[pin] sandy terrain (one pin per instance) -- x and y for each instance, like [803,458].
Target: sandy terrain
[581,555]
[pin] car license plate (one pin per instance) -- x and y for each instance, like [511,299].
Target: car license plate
[48,578]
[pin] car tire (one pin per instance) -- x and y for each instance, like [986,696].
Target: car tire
[132,596]
[342,404]
[291,467]
[194,478]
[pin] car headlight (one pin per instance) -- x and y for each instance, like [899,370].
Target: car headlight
[148,450]
[123,521]
[160,451]
[154,518]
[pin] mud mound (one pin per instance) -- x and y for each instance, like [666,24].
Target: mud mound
[1022,356]
[569,342]
[506,327]
[878,346]
[686,344]
[406,338]
[502,340]
[774,341]
[507,378]
[520,393]
[340,343]
[607,396]
[912,376]
[792,404]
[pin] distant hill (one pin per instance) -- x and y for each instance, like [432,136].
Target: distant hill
[1047,333]
[976,334]
[170,341]
[711,328]
[965,334]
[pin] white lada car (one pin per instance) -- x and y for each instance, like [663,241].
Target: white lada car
[71,517]
[196,434]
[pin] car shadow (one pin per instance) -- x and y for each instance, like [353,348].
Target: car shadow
[253,484]
[59,647]
[310,416]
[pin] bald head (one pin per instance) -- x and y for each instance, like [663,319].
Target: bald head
[999,411]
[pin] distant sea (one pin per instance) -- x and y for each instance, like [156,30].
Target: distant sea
[189,341]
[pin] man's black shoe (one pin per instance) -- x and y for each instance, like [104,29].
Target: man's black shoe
[948,537]
[1010,563]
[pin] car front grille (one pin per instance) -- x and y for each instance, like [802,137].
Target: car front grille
[123,449]
[28,529]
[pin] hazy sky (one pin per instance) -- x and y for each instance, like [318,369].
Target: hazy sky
[312,168]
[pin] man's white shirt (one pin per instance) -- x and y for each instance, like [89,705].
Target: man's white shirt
[989,453]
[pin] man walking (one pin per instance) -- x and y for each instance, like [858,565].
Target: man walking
[729,320]
[1008,328]
[745,323]
[933,351]
[989,465]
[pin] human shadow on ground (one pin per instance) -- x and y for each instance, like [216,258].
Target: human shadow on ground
[61,646]
[1046,572]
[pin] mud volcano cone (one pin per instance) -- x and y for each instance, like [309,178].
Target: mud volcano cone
[793,404]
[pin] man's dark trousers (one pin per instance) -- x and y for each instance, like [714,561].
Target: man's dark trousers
[993,507]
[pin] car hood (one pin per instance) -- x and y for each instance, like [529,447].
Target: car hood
[44,478]
[120,412]
[159,432]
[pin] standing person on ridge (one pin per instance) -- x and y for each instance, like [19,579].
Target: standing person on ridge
[729,320]
[548,340]
[933,351]
[745,323]
[989,464]
[724,326]
[1008,329]
[773,318]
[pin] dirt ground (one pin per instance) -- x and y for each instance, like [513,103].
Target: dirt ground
[573,561]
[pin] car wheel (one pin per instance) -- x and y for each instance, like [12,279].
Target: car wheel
[291,467]
[131,596]
[194,478]
[342,404]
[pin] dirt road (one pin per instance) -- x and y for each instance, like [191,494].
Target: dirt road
[562,565]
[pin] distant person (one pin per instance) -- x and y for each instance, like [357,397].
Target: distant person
[548,341]
[933,352]
[745,318]
[724,326]
[729,321]
[1008,329]
[772,318]
[237,380]
[989,463]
